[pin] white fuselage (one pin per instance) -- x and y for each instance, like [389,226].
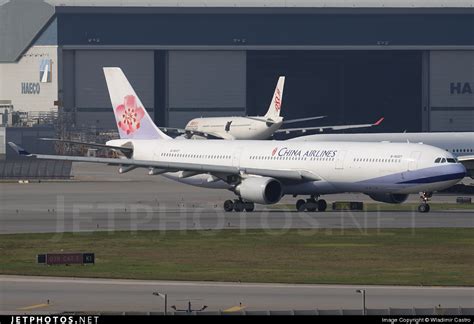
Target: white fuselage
[458,143]
[238,128]
[341,166]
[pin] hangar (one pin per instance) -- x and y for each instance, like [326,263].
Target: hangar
[411,61]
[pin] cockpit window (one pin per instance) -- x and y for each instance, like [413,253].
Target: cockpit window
[437,160]
[443,160]
[451,160]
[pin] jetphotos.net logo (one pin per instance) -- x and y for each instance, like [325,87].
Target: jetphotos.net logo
[288,152]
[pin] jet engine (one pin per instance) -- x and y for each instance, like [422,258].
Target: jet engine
[261,190]
[389,198]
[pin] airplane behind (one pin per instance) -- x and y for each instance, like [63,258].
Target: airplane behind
[460,144]
[264,171]
[253,127]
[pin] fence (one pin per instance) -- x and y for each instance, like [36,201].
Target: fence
[30,169]
[459,311]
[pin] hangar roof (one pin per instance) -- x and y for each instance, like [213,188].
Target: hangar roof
[23,21]
[266,3]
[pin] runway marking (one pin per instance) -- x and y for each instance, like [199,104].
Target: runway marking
[66,280]
[33,307]
[234,309]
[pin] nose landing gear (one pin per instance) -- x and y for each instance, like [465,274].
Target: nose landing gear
[425,197]
[238,205]
[311,205]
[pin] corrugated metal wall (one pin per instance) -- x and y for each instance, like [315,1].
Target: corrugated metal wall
[210,83]
[452,90]
[35,169]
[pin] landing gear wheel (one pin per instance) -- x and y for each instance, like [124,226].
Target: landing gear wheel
[311,205]
[249,206]
[302,208]
[424,208]
[228,205]
[322,205]
[425,197]
[239,206]
[300,204]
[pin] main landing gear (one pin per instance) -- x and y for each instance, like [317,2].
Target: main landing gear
[238,205]
[311,205]
[425,197]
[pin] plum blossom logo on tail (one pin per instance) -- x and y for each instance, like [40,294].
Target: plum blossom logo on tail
[129,115]
[278,100]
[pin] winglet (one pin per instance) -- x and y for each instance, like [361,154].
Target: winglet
[378,122]
[19,150]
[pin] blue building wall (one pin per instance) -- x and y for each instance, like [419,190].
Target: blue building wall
[50,34]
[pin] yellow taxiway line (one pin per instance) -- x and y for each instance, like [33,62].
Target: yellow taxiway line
[234,309]
[33,307]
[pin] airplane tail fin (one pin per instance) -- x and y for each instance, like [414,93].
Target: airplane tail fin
[275,105]
[133,121]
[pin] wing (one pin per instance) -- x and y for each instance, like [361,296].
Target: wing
[189,133]
[162,166]
[323,128]
[124,149]
[289,121]
[468,162]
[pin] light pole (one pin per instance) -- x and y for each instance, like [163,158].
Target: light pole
[165,297]
[362,291]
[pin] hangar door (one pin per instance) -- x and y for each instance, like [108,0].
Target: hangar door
[85,88]
[451,90]
[346,86]
[205,83]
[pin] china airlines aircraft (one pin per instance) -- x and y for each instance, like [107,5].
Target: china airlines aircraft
[253,127]
[264,171]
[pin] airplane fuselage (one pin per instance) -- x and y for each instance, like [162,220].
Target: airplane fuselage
[397,168]
[241,128]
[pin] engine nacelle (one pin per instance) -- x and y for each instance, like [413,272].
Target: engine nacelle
[389,198]
[261,190]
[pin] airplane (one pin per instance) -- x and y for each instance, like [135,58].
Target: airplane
[253,127]
[264,171]
[460,144]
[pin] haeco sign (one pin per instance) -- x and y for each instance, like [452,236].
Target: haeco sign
[30,88]
[45,77]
